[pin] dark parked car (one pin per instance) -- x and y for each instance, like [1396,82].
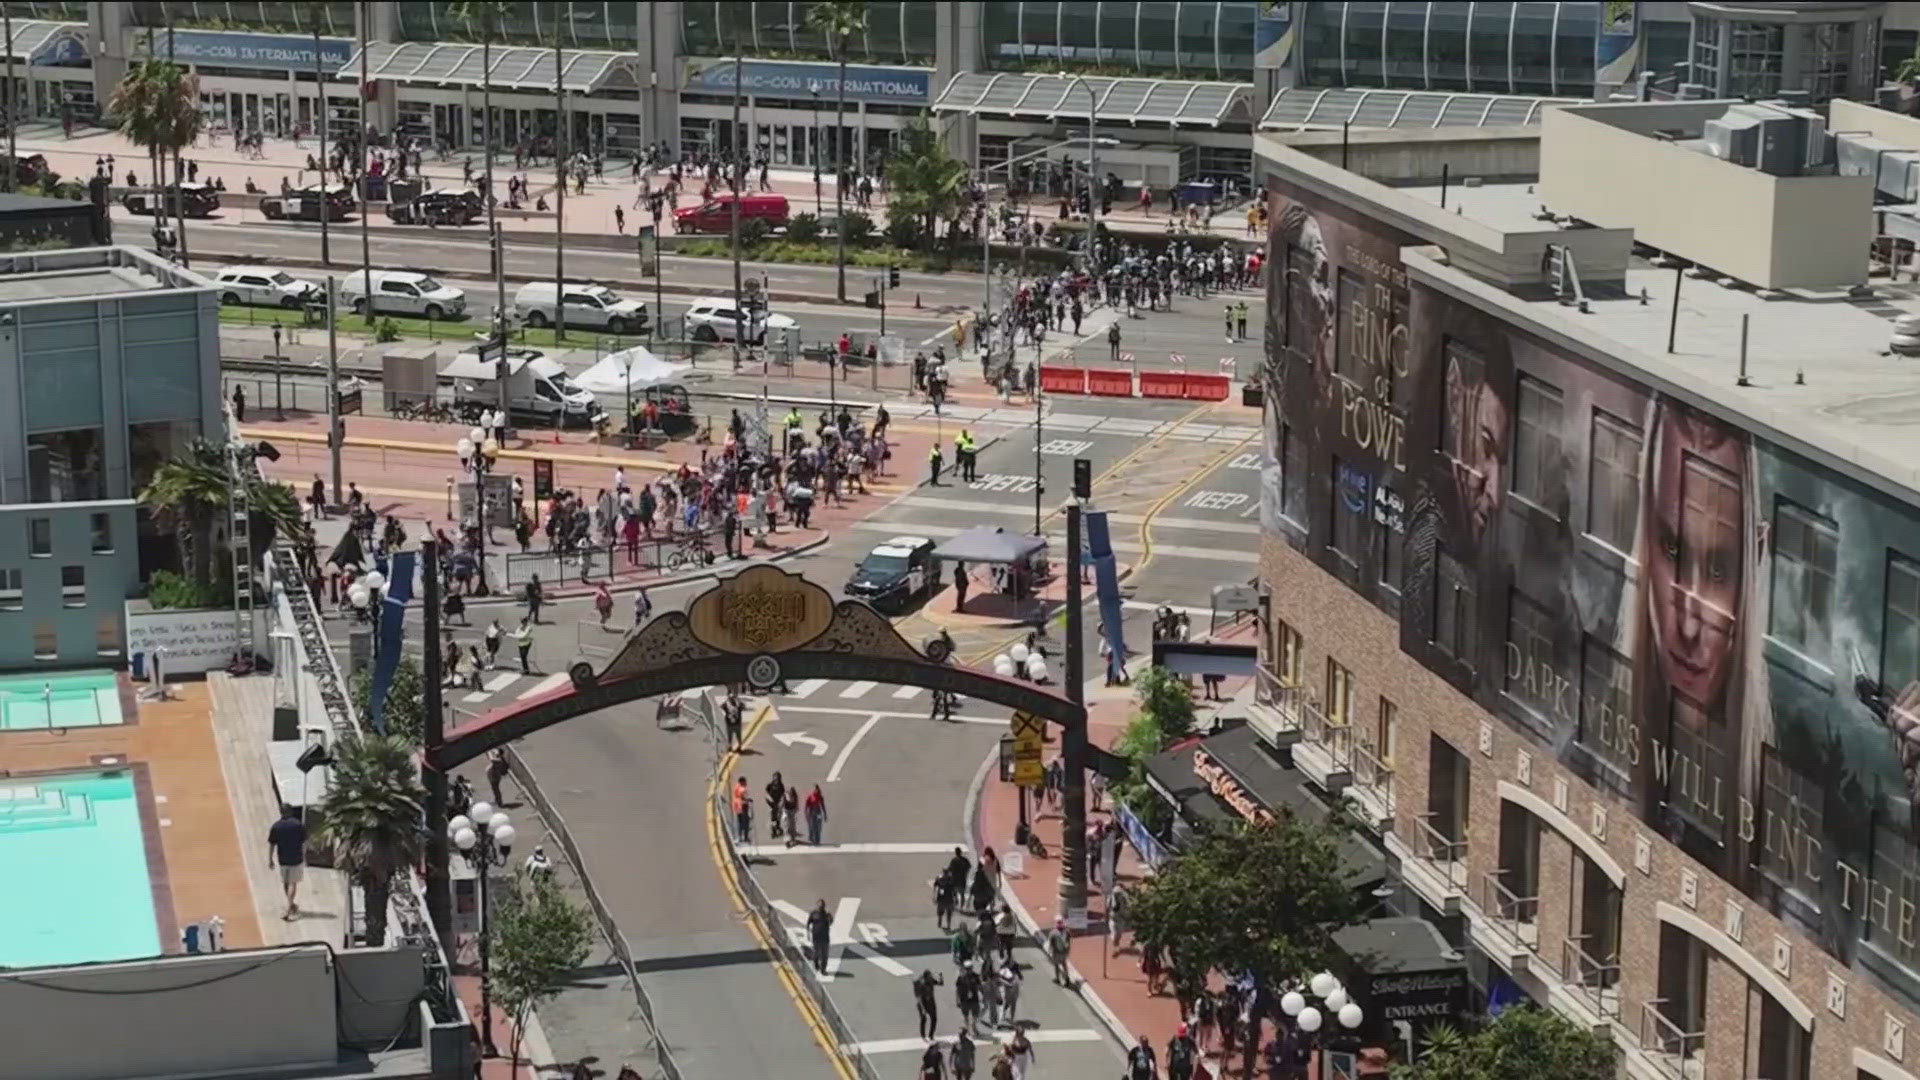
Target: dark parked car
[895,573]
[196,200]
[437,207]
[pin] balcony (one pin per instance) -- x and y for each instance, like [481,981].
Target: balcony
[1325,750]
[1372,790]
[1675,1054]
[1274,714]
[1434,867]
[1506,926]
[1588,992]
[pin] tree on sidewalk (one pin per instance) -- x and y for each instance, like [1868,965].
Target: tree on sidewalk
[539,938]
[1163,716]
[1261,898]
[927,185]
[1522,1043]
[405,712]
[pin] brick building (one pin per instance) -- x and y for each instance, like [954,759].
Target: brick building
[1591,557]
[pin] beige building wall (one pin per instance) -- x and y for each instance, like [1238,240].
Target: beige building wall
[1768,231]
[1889,127]
[1750,952]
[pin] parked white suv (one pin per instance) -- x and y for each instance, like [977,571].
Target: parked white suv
[593,307]
[266,285]
[717,319]
[402,292]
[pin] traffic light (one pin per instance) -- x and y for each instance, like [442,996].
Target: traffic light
[1082,478]
[893,277]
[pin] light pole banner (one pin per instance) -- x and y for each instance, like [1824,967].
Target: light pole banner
[1106,583]
[393,629]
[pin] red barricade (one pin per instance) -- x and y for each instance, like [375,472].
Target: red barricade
[1163,384]
[1109,383]
[1063,380]
[1207,387]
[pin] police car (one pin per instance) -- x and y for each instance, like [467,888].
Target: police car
[894,573]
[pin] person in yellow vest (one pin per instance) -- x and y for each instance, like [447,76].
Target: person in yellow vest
[964,456]
[933,466]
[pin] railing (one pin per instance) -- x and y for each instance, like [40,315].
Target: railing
[1516,916]
[1373,776]
[597,562]
[1436,847]
[1670,1048]
[1269,691]
[1593,980]
[557,827]
[844,1042]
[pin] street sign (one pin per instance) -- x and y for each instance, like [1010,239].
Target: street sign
[542,478]
[1029,736]
[1026,725]
[1178,360]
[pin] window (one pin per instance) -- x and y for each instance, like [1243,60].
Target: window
[73,586]
[1385,728]
[1791,812]
[40,537]
[1352,491]
[1756,59]
[1339,694]
[1293,476]
[1347,360]
[1532,681]
[1613,482]
[1900,649]
[1804,553]
[12,597]
[1453,609]
[46,641]
[1287,646]
[1607,727]
[1697,780]
[1389,555]
[65,466]
[1891,904]
[102,534]
[107,636]
[1536,443]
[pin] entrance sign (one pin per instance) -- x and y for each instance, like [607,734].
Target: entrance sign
[763,610]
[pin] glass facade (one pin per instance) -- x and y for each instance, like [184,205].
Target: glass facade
[1204,41]
[56,12]
[574,25]
[1508,48]
[897,32]
[333,18]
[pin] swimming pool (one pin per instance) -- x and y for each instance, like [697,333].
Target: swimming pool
[67,700]
[74,883]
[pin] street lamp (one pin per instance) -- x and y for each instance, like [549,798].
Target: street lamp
[1336,1008]
[486,839]
[1093,176]
[813,90]
[477,450]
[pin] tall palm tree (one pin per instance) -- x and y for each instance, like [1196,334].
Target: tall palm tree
[190,493]
[839,20]
[560,144]
[483,19]
[373,818]
[185,123]
[157,106]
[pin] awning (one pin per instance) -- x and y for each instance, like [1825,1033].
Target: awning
[44,42]
[1317,109]
[633,369]
[1206,658]
[989,545]
[514,67]
[1133,101]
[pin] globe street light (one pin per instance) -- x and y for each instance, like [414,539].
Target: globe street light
[486,839]
[477,452]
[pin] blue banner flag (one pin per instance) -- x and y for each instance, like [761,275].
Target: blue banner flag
[1106,583]
[393,629]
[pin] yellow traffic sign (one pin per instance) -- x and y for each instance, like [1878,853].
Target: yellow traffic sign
[1028,774]
[1025,725]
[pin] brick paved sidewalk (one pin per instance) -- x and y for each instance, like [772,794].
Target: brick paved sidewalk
[1108,973]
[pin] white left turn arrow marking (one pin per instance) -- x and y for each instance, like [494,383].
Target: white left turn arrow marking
[788,738]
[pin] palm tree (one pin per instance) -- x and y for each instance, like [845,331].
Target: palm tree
[373,818]
[157,106]
[482,19]
[839,20]
[927,184]
[190,493]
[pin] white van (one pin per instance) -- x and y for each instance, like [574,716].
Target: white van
[536,386]
[268,285]
[402,292]
[591,307]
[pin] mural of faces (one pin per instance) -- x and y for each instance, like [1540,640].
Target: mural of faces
[1694,516]
[1303,242]
[1476,434]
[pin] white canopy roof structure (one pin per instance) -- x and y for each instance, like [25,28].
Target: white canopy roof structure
[1153,101]
[514,67]
[634,369]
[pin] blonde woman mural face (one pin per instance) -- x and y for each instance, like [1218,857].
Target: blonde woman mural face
[1320,291]
[1693,555]
[1477,433]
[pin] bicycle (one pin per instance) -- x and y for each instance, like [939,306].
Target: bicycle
[944,702]
[692,551]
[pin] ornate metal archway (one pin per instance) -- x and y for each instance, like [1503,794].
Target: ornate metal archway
[757,628]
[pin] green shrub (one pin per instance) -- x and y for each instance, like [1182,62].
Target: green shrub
[804,228]
[166,589]
[903,232]
[858,227]
[387,330]
[754,232]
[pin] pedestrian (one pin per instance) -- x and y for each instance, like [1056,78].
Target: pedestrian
[287,849]
[924,1003]
[1009,980]
[776,800]
[819,926]
[959,586]
[933,466]
[1182,1053]
[603,603]
[1140,1061]
[946,896]
[523,641]
[816,810]
[742,812]
[933,1066]
[733,715]
[642,607]
[318,499]
[1113,343]
[619,219]
[1059,948]
[1240,319]
[493,643]
[790,810]
[239,404]
[1020,1051]
[963,1055]
[497,770]
[1230,337]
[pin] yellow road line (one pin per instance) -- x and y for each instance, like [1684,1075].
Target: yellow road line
[1146,521]
[788,978]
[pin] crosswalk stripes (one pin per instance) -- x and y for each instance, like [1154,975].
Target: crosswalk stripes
[905,693]
[544,685]
[807,688]
[492,686]
[856,690]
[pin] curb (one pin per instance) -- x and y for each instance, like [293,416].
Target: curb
[970,822]
[671,582]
